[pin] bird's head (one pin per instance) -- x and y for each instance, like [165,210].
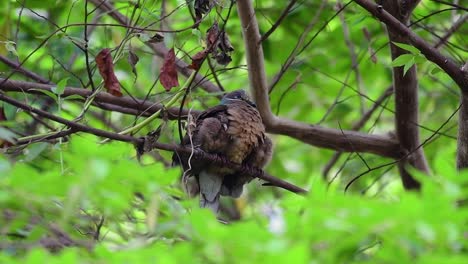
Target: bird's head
[236,96]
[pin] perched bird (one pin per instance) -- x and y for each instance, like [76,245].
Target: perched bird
[233,129]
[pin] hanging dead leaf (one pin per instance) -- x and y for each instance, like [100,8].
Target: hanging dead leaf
[106,69]
[212,37]
[198,59]
[133,60]
[168,75]
[218,44]
[202,7]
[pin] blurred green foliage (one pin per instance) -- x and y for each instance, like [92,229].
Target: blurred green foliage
[324,226]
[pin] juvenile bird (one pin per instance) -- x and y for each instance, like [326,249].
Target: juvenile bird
[233,129]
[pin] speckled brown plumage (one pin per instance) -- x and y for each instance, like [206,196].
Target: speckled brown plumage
[235,130]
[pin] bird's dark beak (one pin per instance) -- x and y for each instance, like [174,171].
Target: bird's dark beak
[252,103]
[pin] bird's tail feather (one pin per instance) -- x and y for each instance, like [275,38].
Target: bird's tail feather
[210,187]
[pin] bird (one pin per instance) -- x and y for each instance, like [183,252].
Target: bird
[234,130]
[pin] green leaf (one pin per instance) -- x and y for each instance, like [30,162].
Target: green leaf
[74,97]
[48,93]
[420,58]
[60,87]
[34,150]
[435,70]
[402,60]
[7,135]
[407,47]
[408,66]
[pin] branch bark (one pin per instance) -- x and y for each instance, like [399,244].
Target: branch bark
[406,97]
[462,144]
[103,100]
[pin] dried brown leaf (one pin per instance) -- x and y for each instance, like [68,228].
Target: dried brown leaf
[168,75]
[212,37]
[198,59]
[202,7]
[133,60]
[106,69]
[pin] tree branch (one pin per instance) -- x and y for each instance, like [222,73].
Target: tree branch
[197,154]
[406,98]
[71,124]
[103,100]
[431,53]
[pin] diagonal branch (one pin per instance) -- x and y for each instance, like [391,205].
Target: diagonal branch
[215,159]
[103,100]
[431,53]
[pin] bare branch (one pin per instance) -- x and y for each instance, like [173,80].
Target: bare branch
[71,124]
[283,15]
[103,100]
[18,68]
[431,53]
[215,159]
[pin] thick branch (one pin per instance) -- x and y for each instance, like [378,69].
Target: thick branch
[406,98]
[349,141]
[71,124]
[431,53]
[462,144]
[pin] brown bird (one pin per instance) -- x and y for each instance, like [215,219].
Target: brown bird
[233,129]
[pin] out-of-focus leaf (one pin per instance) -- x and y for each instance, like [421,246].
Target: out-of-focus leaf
[133,60]
[60,87]
[34,150]
[74,97]
[402,60]
[408,66]
[407,47]
[168,75]
[48,93]
[106,69]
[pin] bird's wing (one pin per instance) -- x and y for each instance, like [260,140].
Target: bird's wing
[233,184]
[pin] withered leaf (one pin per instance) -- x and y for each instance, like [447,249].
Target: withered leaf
[197,60]
[106,69]
[202,7]
[133,60]
[225,43]
[212,36]
[168,75]
[218,44]
[223,58]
